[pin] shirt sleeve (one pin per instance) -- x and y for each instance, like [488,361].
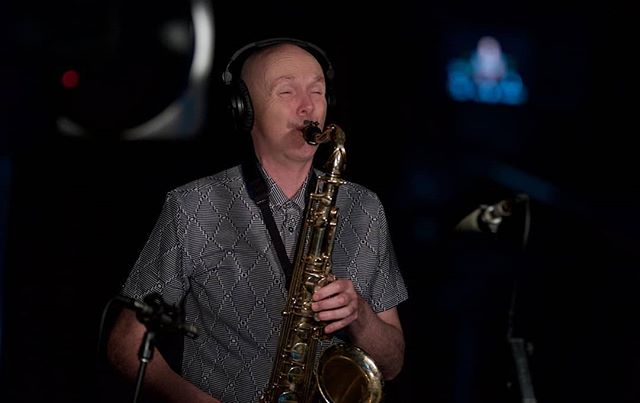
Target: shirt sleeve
[160,265]
[387,285]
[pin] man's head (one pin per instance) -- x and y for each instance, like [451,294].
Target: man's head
[238,98]
[249,76]
[287,86]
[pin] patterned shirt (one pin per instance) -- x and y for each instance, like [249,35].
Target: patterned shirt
[287,213]
[211,251]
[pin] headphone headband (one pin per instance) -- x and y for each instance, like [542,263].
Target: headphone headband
[227,76]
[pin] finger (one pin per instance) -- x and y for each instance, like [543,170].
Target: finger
[335,314]
[334,302]
[328,290]
[330,278]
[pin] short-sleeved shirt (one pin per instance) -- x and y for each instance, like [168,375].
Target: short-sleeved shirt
[210,251]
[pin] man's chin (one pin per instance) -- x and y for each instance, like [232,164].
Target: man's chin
[306,152]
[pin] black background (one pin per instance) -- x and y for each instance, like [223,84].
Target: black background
[78,209]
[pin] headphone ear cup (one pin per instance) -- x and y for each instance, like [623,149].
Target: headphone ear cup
[331,100]
[241,107]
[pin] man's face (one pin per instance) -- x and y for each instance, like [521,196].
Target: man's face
[287,87]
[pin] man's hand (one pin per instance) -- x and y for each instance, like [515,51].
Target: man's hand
[337,303]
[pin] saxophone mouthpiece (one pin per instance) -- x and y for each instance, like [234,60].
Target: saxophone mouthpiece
[311,131]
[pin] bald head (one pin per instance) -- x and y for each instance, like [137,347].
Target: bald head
[277,62]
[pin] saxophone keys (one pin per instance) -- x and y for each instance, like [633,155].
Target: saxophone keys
[329,278]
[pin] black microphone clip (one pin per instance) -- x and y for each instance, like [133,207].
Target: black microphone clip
[156,314]
[487,218]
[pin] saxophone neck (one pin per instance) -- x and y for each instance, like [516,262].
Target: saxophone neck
[338,160]
[314,136]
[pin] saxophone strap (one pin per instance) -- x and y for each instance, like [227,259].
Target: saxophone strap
[259,193]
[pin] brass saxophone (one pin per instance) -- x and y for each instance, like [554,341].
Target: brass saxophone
[345,373]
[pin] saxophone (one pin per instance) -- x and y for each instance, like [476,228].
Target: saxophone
[345,373]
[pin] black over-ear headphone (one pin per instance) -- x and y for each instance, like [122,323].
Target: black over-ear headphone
[239,99]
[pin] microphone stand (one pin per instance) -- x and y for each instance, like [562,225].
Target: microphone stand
[145,354]
[521,348]
[487,219]
[156,315]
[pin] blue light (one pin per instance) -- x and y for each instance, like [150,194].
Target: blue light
[488,92]
[485,77]
[461,87]
[513,90]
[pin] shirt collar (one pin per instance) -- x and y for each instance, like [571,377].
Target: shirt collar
[277,197]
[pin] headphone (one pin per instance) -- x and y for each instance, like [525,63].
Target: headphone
[239,98]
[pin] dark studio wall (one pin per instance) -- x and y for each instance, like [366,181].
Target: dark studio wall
[75,210]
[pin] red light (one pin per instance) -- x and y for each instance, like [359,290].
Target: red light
[70,79]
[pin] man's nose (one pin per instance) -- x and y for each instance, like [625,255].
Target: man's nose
[306,104]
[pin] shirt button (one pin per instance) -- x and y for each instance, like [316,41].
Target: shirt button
[290,229]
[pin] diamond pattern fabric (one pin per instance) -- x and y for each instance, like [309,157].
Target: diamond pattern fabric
[210,251]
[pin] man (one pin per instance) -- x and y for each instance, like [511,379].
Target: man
[211,252]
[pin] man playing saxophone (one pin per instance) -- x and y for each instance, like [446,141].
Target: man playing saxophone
[223,245]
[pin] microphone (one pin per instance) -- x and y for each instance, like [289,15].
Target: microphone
[155,312]
[487,218]
[138,306]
